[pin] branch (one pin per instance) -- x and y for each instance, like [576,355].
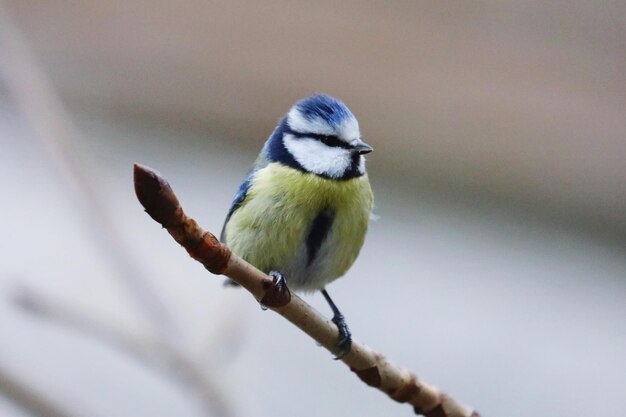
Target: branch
[45,113]
[160,202]
[153,352]
[28,398]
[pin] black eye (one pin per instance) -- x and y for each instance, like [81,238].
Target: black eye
[331,141]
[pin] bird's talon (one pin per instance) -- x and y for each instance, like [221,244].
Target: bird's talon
[344,341]
[277,294]
[280,283]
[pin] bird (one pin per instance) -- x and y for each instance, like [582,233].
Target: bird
[302,212]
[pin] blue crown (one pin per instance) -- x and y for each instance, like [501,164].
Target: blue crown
[325,107]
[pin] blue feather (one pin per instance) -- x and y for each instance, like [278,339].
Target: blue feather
[237,201]
[275,149]
[325,107]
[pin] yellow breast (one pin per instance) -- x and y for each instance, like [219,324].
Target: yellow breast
[270,227]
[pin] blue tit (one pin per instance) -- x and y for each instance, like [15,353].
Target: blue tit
[303,211]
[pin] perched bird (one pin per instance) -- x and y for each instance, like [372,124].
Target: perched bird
[302,213]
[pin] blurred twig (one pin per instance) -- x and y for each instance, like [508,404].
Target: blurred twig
[224,340]
[45,113]
[160,202]
[28,399]
[152,352]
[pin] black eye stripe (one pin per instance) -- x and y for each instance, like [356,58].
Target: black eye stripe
[332,141]
[328,140]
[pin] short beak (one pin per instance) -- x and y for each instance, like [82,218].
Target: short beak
[362,148]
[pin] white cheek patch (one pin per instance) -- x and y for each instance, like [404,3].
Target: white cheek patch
[318,158]
[301,124]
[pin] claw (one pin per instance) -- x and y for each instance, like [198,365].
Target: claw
[277,294]
[280,283]
[344,341]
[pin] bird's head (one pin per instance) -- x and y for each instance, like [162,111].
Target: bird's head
[320,135]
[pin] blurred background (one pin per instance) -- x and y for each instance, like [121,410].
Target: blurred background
[497,269]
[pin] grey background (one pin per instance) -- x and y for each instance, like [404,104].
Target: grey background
[496,270]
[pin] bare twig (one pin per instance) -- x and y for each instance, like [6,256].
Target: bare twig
[44,111]
[29,399]
[148,350]
[59,137]
[401,385]
[224,341]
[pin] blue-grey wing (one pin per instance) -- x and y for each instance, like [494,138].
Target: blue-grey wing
[260,163]
[242,192]
[240,197]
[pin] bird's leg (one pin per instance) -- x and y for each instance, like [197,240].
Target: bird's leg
[277,294]
[344,342]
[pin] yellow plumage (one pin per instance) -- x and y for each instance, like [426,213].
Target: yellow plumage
[270,227]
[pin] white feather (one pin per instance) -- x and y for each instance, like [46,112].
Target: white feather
[301,124]
[361,167]
[347,130]
[318,158]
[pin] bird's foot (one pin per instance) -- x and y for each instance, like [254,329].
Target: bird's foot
[276,292]
[344,341]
